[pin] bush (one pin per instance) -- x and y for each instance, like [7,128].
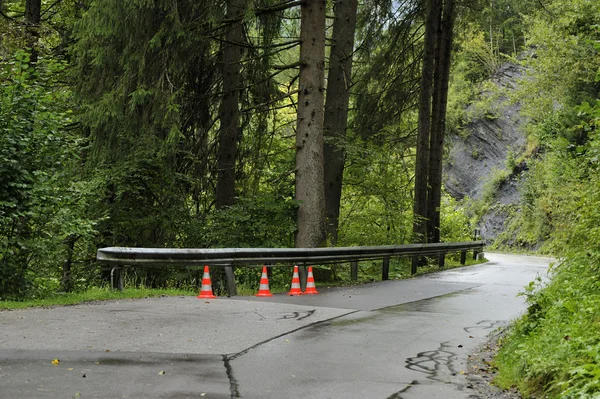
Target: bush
[41,208]
[555,348]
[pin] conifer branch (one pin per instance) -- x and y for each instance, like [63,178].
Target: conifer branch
[278,7]
[288,66]
[275,100]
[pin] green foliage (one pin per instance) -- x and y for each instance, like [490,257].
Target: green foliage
[138,203]
[455,223]
[501,24]
[264,221]
[40,207]
[376,204]
[144,87]
[149,89]
[478,208]
[552,186]
[489,103]
[377,199]
[565,61]
[470,95]
[478,58]
[555,348]
[387,69]
[461,93]
[129,159]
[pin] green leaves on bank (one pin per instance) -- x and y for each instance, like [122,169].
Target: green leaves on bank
[554,350]
[40,206]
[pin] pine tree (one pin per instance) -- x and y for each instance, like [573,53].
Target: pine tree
[229,115]
[310,189]
[339,81]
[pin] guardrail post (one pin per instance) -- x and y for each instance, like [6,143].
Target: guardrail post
[269,270]
[475,252]
[463,257]
[116,278]
[354,270]
[442,261]
[385,270]
[230,277]
[414,264]
[303,274]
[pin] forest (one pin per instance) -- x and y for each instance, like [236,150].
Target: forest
[282,123]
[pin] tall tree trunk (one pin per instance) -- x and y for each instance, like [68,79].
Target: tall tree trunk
[336,109]
[66,282]
[32,20]
[438,120]
[424,123]
[229,110]
[310,187]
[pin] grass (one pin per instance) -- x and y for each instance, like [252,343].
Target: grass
[553,351]
[93,294]
[369,271]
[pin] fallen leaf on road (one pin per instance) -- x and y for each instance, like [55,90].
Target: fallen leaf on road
[162,372]
[55,361]
[70,369]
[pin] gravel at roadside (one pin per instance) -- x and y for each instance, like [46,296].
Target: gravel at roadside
[482,372]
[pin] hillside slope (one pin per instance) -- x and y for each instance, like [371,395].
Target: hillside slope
[480,160]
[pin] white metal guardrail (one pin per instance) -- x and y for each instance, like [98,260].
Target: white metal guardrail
[121,257]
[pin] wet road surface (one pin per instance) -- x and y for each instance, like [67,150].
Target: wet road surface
[395,339]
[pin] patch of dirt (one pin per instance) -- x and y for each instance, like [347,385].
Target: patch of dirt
[481,372]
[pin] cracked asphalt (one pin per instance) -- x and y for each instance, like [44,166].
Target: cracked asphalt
[395,339]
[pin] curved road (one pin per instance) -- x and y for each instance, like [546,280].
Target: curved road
[395,339]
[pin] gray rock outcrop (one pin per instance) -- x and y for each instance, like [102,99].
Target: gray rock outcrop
[478,156]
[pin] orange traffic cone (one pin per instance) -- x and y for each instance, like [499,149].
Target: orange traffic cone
[206,290]
[311,289]
[295,283]
[263,290]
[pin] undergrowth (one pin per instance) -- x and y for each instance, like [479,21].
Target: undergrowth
[554,350]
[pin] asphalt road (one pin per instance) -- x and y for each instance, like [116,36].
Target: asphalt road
[396,339]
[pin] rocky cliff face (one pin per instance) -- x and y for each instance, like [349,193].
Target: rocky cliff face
[479,157]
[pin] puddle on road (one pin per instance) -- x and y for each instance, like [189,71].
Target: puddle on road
[362,318]
[429,305]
